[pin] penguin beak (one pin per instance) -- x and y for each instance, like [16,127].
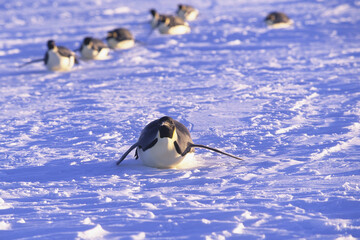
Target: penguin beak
[166,130]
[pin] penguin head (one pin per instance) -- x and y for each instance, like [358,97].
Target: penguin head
[87,41]
[111,34]
[154,13]
[270,18]
[181,7]
[51,44]
[167,127]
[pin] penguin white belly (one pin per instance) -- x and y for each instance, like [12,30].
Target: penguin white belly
[89,53]
[125,44]
[190,16]
[56,62]
[280,25]
[174,30]
[103,54]
[162,155]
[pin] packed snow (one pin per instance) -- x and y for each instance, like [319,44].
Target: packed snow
[285,100]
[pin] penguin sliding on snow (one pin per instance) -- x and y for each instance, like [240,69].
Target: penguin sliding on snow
[167,24]
[278,20]
[156,17]
[120,38]
[94,49]
[57,58]
[173,26]
[164,143]
[187,12]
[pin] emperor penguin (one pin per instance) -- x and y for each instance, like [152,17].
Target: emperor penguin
[187,12]
[58,58]
[278,20]
[173,25]
[94,49]
[120,38]
[164,143]
[156,17]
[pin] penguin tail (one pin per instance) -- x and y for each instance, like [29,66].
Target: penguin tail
[190,146]
[126,153]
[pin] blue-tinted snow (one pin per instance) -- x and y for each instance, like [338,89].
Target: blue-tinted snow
[285,100]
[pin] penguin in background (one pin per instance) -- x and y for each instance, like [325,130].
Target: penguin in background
[278,20]
[120,38]
[187,12]
[173,26]
[168,24]
[165,143]
[94,49]
[156,17]
[59,58]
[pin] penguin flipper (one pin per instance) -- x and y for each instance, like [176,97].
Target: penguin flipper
[98,44]
[31,62]
[46,58]
[191,145]
[136,154]
[76,60]
[126,153]
[148,135]
[150,145]
[183,138]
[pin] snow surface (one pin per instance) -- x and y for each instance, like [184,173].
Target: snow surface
[286,100]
